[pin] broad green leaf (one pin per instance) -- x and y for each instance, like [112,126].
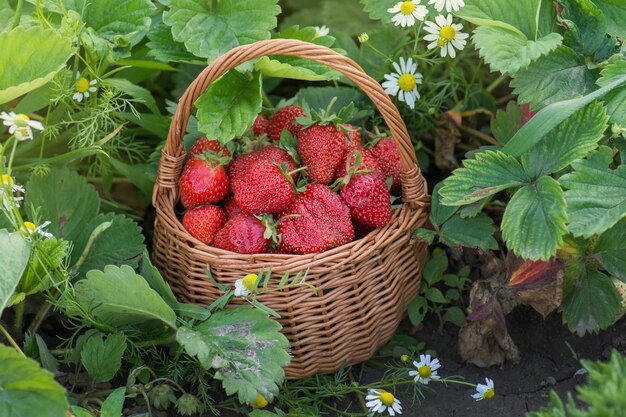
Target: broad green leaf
[435,295]
[319,97]
[590,300]
[455,316]
[14,254]
[596,195]
[114,403]
[36,56]
[475,232]
[507,122]
[615,14]
[610,250]
[509,51]
[535,220]
[246,349]
[53,197]
[615,100]
[101,357]
[26,390]
[209,30]
[586,26]
[230,105]
[137,173]
[417,310]
[434,269]
[80,412]
[487,174]
[439,213]
[138,93]
[347,16]
[571,140]
[377,9]
[557,76]
[388,40]
[163,46]
[119,297]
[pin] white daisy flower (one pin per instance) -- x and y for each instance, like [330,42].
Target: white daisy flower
[484,392]
[403,82]
[364,37]
[8,199]
[20,125]
[450,5]
[426,369]
[445,35]
[406,13]
[83,88]
[379,401]
[245,285]
[29,229]
[321,31]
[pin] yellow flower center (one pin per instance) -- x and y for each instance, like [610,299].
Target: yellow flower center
[407,82]
[407,7]
[387,398]
[248,281]
[29,228]
[404,358]
[21,119]
[447,33]
[6,179]
[260,401]
[424,371]
[82,84]
[441,42]
[489,394]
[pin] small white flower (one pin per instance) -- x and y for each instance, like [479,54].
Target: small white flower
[364,37]
[20,125]
[484,392]
[445,35]
[426,369]
[83,88]
[379,401]
[245,285]
[403,82]
[321,31]
[406,13]
[8,199]
[29,229]
[450,5]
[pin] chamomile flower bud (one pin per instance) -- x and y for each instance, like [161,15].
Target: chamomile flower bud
[364,37]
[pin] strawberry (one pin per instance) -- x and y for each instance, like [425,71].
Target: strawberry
[368,199]
[284,118]
[387,155]
[260,125]
[264,188]
[352,137]
[243,233]
[203,145]
[320,148]
[204,180]
[367,162]
[273,154]
[321,221]
[204,222]
[230,207]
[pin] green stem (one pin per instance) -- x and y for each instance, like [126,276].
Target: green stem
[358,394]
[495,83]
[266,101]
[19,317]
[10,339]
[343,413]
[10,165]
[154,342]
[378,52]
[18,13]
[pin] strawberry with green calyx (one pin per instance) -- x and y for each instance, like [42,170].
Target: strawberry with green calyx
[204,145]
[284,119]
[273,154]
[259,127]
[204,222]
[352,136]
[204,180]
[357,159]
[386,153]
[246,234]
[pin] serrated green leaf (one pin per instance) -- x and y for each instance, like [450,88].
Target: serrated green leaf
[434,269]
[319,97]
[487,174]
[119,297]
[14,255]
[209,32]
[246,349]
[164,48]
[138,93]
[426,235]
[101,357]
[615,100]
[27,390]
[455,316]
[377,9]
[559,75]
[439,213]
[417,310]
[615,14]
[610,250]
[26,70]
[596,195]
[535,220]
[435,295]
[586,26]
[387,40]
[114,403]
[571,140]
[507,122]
[475,232]
[229,106]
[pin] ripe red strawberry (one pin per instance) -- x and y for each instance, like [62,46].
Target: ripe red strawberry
[263,189]
[284,118]
[203,144]
[204,180]
[322,222]
[367,162]
[260,125]
[274,154]
[204,222]
[368,199]
[243,233]
[231,208]
[387,155]
[320,147]
[352,137]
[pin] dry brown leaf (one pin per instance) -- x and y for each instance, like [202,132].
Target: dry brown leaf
[446,138]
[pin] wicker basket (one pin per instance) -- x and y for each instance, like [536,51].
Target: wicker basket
[363,286]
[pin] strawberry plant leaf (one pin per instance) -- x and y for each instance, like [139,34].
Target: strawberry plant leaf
[164,48]
[596,194]
[487,174]
[246,349]
[14,255]
[535,220]
[319,97]
[615,14]
[615,100]
[586,26]
[610,250]
[475,232]
[230,105]
[377,9]
[507,122]
[439,213]
[571,140]
[114,403]
[209,32]
[102,357]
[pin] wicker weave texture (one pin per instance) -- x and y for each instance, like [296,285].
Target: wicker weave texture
[363,287]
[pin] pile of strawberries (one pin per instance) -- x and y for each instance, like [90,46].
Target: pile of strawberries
[305,183]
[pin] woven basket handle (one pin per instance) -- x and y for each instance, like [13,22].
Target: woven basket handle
[413,186]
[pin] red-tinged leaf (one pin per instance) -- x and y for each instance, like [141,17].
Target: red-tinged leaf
[535,273]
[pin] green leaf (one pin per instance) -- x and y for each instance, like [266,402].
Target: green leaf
[230,105]
[475,232]
[417,310]
[439,213]
[377,9]
[435,295]
[319,97]
[596,195]
[571,140]
[80,412]
[560,75]
[101,357]
[26,390]
[586,26]
[507,122]
[14,255]
[46,358]
[246,349]
[610,250]
[615,100]
[346,16]
[209,32]
[615,14]
[163,46]
[455,316]
[138,93]
[27,70]
[388,40]
[114,403]
[488,174]
[535,220]
[137,174]
[434,269]
[590,300]
[119,297]
[55,195]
